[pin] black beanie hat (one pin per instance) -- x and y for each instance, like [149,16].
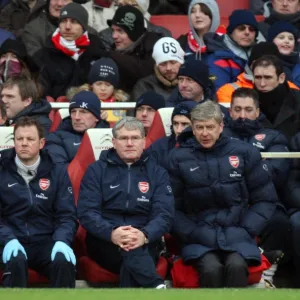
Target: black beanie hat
[76,12]
[130,19]
[156,101]
[197,70]
[184,108]
[14,46]
[104,69]
[241,17]
[261,49]
[281,26]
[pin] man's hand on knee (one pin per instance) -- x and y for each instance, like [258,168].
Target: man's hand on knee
[12,248]
[137,239]
[121,236]
[65,250]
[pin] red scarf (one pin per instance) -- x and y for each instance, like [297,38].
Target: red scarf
[71,48]
[194,46]
[111,99]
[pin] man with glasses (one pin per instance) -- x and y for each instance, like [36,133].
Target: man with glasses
[281,10]
[232,50]
[146,107]
[126,206]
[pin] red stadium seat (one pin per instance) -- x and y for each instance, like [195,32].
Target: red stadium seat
[92,272]
[161,125]
[58,117]
[186,276]
[62,99]
[178,24]
[227,6]
[52,112]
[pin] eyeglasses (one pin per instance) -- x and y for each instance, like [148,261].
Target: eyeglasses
[133,139]
[244,27]
[147,109]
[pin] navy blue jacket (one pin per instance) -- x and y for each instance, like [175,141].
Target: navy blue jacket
[63,144]
[43,208]
[113,194]
[38,110]
[223,197]
[265,140]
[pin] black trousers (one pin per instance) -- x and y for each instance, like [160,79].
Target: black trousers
[60,272]
[136,267]
[277,234]
[222,269]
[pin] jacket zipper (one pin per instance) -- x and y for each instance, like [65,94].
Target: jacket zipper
[128,187]
[31,203]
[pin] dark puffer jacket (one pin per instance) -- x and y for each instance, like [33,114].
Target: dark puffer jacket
[223,197]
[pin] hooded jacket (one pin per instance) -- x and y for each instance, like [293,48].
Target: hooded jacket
[43,208]
[215,23]
[113,194]
[63,144]
[223,197]
[39,110]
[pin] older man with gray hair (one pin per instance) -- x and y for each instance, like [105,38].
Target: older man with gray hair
[224,197]
[126,206]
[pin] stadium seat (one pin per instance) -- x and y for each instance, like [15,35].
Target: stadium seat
[52,112]
[58,117]
[93,142]
[227,6]
[186,276]
[62,99]
[93,273]
[177,24]
[161,125]
[6,137]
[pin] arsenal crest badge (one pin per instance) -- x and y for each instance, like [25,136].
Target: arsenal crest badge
[44,184]
[260,136]
[144,187]
[234,161]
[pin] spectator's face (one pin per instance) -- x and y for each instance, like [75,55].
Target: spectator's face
[266,79]
[2,118]
[104,90]
[190,89]
[8,56]
[120,37]
[207,132]
[286,6]
[28,144]
[126,2]
[70,29]
[129,144]
[13,102]
[145,114]
[243,108]
[169,69]
[179,123]
[285,42]
[82,119]
[244,35]
[56,5]
[201,22]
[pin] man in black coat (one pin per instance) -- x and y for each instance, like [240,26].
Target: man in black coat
[66,59]
[277,101]
[224,197]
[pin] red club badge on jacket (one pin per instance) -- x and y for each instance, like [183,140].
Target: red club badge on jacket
[44,183]
[234,161]
[144,186]
[260,136]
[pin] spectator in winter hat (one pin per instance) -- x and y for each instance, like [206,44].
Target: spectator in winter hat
[146,107]
[168,56]
[143,6]
[231,51]
[181,119]
[133,46]
[66,59]
[284,36]
[84,111]
[204,17]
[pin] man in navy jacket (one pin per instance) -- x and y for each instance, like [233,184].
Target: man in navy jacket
[38,216]
[126,206]
[84,111]
[224,197]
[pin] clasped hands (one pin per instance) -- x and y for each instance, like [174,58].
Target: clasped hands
[128,237]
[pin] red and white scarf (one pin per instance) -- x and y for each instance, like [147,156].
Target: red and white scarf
[194,46]
[71,48]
